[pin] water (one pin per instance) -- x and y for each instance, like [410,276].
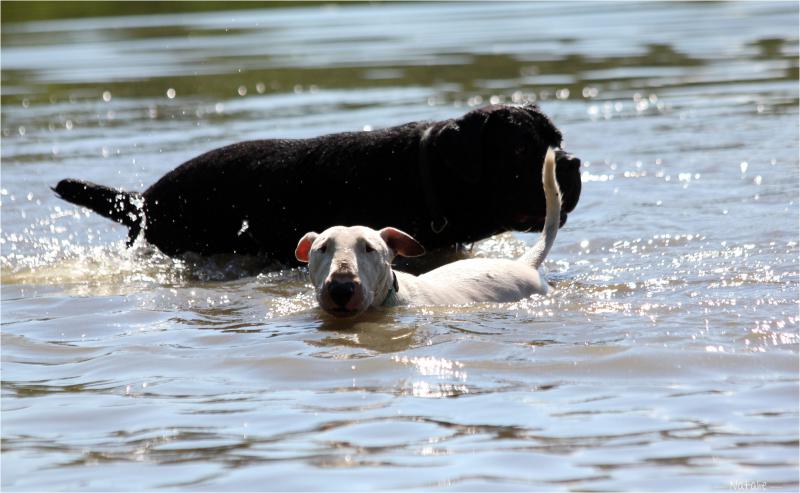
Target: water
[666,359]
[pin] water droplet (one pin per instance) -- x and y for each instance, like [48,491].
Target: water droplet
[743,167]
[171,93]
[106,96]
[242,90]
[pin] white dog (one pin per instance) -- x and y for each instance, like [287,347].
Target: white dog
[351,267]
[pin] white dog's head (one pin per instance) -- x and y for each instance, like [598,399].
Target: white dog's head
[351,267]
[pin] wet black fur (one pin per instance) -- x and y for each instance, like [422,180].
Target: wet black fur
[485,175]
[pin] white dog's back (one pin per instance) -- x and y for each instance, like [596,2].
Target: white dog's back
[471,280]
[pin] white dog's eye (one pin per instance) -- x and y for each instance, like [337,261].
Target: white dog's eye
[322,248]
[368,248]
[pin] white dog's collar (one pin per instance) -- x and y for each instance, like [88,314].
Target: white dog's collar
[391,296]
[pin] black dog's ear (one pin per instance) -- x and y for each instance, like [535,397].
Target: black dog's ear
[459,144]
[545,127]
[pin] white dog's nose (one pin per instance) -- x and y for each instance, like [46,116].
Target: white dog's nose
[341,290]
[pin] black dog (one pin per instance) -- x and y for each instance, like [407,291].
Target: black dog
[448,182]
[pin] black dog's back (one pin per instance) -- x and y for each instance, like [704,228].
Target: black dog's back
[256,197]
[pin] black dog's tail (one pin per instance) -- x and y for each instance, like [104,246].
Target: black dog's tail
[117,205]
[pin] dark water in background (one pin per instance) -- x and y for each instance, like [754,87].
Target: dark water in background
[667,359]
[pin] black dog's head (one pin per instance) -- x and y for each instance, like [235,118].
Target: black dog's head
[498,151]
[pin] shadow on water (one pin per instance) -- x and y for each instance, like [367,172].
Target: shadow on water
[379,331]
[14,12]
[567,73]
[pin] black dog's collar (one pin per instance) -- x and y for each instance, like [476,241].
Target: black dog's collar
[438,220]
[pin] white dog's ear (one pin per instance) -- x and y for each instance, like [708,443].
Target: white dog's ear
[401,243]
[304,247]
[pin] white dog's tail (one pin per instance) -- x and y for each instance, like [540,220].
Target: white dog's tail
[552,195]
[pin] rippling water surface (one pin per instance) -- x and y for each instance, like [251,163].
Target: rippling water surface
[666,359]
